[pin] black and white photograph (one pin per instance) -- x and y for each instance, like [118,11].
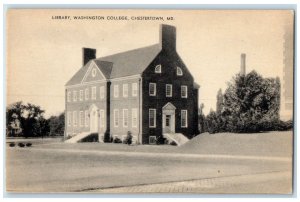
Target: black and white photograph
[149,101]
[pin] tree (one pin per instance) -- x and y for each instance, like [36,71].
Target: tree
[57,125]
[219,106]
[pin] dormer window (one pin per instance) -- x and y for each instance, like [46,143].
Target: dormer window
[158,69]
[179,71]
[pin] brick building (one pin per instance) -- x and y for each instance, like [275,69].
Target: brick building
[148,91]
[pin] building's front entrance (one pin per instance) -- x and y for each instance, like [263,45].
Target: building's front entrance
[94,119]
[168,118]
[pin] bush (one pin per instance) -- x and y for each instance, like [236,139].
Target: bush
[173,143]
[128,139]
[28,144]
[117,140]
[12,144]
[107,137]
[160,140]
[21,144]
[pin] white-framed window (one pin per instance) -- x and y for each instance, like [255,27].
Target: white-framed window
[134,117]
[152,118]
[86,94]
[69,117]
[74,118]
[179,71]
[125,90]
[152,89]
[134,89]
[116,91]
[94,72]
[116,117]
[81,95]
[74,96]
[168,90]
[158,69]
[152,139]
[184,118]
[184,93]
[125,117]
[68,96]
[94,93]
[81,119]
[101,92]
[86,118]
[102,118]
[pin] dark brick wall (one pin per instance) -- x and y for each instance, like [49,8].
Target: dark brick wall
[169,60]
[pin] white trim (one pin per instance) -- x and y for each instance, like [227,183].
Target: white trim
[171,90]
[86,83]
[116,111]
[87,94]
[74,118]
[186,91]
[69,118]
[155,139]
[181,72]
[80,95]
[154,116]
[154,94]
[186,118]
[134,114]
[136,76]
[116,89]
[74,95]
[134,88]
[125,85]
[102,93]
[86,118]
[81,118]
[89,69]
[125,126]
[102,118]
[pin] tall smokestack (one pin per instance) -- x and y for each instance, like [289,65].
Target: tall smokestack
[88,54]
[243,64]
[167,37]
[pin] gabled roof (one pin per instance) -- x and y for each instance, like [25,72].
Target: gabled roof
[127,63]
[131,62]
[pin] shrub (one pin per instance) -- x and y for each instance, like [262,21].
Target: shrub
[107,137]
[128,139]
[160,140]
[117,140]
[21,144]
[12,144]
[28,144]
[173,143]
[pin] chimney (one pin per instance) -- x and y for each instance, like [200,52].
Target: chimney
[243,64]
[167,36]
[88,54]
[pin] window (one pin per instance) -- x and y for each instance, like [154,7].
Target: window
[152,89]
[102,118]
[134,117]
[158,69]
[74,118]
[168,90]
[74,96]
[86,94]
[152,140]
[116,118]
[125,90]
[81,118]
[94,93]
[184,91]
[134,89]
[125,117]
[102,92]
[179,71]
[81,95]
[183,118]
[69,117]
[152,118]
[94,72]
[116,90]
[69,96]
[86,120]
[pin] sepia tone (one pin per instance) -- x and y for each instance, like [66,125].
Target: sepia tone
[143,75]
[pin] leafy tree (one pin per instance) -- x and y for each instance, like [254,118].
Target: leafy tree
[57,125]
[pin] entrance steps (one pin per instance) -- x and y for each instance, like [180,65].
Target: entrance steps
[178,138]
[78,137]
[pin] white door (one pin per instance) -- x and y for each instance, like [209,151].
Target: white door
[94,120]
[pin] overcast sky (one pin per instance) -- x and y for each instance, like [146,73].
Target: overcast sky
[43,54]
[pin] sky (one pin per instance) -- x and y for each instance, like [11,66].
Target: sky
[43,53]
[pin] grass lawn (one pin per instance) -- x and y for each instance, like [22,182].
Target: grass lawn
[53,166]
